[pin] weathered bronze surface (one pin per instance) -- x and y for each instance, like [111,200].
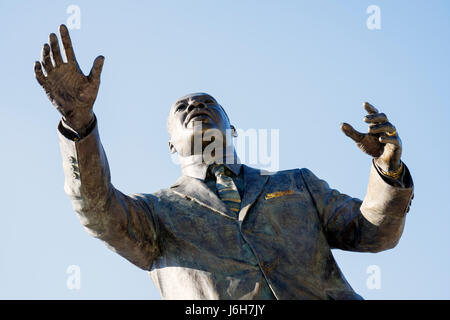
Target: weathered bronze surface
[277,247]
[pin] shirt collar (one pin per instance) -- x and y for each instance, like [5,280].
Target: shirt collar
[194,167]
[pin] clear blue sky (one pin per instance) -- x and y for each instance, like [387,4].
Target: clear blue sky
[302,67]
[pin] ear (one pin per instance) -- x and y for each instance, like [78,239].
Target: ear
[172,148]
[233,131]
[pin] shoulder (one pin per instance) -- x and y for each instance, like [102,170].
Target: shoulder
[263,172]
[298,176]
[154,197]
[300,172]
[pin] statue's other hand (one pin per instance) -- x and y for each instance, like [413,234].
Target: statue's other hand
[69,90]
[381,142]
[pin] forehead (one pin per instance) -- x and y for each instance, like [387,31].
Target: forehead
[194,96]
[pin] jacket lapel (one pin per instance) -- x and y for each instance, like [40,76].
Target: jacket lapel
[254,183]
[197,191]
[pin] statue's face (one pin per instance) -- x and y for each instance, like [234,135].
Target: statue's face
[185,117]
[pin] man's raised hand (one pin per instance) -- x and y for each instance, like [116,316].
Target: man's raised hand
[69,90]
[381,142]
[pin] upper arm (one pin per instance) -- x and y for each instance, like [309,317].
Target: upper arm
[338,213]
[374,224]
[127,224]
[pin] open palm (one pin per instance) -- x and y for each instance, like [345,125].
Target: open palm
[69,90]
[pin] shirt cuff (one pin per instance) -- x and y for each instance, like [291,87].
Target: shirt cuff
[400,182]
[68,132]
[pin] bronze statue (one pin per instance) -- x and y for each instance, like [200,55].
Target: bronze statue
[223,230]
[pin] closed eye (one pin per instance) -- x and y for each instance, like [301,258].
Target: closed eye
[208,101]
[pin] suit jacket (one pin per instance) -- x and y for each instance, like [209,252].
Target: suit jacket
[279,247]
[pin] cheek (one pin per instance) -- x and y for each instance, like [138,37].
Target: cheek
[222,120]
[180,134]
[175,125]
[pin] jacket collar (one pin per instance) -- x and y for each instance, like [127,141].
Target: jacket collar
[194,166]
[196,190]
[199,171]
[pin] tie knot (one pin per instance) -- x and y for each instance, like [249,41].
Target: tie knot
[218,169]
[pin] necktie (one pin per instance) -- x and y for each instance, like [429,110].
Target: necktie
[226,189]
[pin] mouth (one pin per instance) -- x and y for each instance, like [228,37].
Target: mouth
[197,115]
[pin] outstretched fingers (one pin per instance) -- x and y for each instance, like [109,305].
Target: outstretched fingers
[39,74]
[46,60]
[370,108]
[375,118]
[385,127]
[94,75]
[67,44]
[351,133]
[56,53]
[393,140]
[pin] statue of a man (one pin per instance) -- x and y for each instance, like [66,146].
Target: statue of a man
[224,230]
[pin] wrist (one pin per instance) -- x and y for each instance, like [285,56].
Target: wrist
[393,171]
[388,166]
[80,122]
[76,135]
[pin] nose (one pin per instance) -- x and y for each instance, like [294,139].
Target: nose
[195,104]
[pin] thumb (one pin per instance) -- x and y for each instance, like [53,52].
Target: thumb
[351,133]
[96,70]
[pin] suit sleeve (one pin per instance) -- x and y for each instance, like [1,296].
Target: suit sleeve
[372,225]
[125,223]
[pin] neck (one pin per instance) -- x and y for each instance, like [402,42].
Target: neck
[229,156]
